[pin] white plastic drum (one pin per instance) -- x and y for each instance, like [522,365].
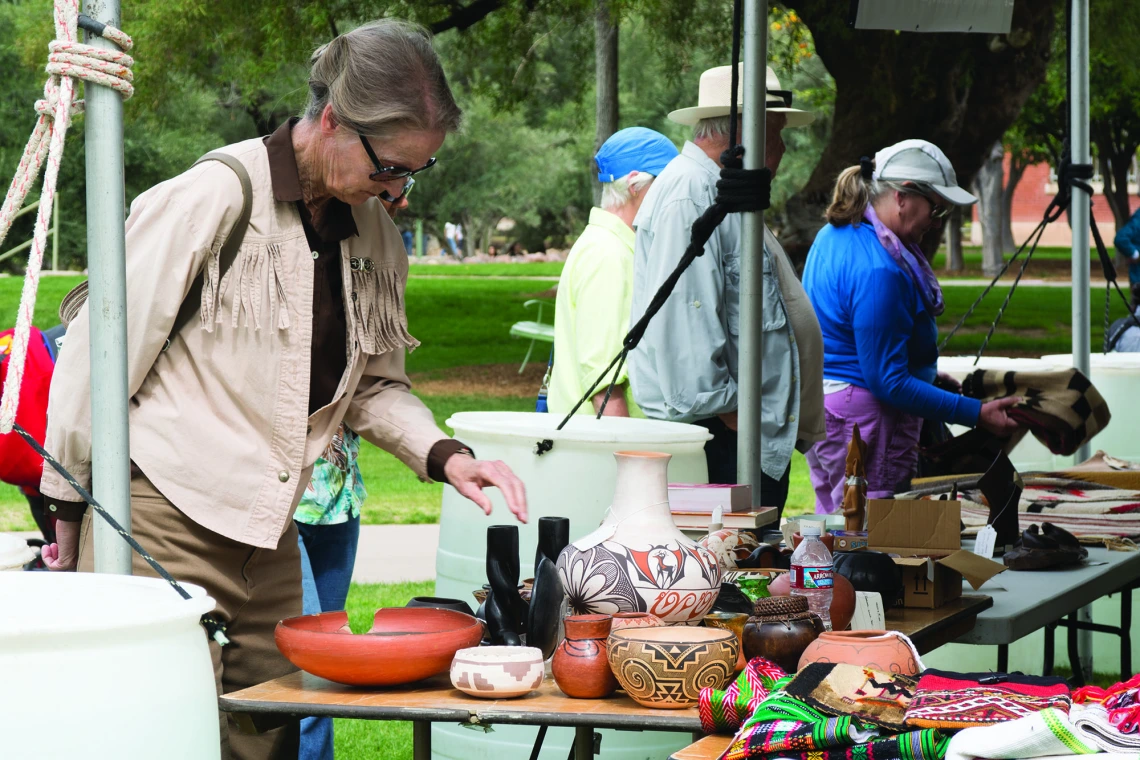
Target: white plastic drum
[576,480]
[1030,454]
[1117,377]
[104,666]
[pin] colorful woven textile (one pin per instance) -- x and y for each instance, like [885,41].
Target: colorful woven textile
[961,700]
[868,695]
[1044,733]
[784,727]
[1099,694]
[1094,725]
[722,712]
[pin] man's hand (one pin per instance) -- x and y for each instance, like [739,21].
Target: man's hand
[995,417]
[470,476]
[729,420]
[63,554]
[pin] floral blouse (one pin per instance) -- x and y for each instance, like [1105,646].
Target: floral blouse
[336,490]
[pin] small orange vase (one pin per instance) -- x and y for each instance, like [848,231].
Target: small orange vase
[885,651]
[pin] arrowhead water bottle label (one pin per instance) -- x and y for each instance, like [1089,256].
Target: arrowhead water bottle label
[811,577]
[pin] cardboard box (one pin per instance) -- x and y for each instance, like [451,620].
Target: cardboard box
[849,540]
[926,536]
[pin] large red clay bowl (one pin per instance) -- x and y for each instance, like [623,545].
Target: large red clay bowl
[405,644]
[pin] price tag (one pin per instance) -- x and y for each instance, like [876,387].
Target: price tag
[869,614]
[984,543]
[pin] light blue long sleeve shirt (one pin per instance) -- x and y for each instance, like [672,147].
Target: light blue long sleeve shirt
[685,369]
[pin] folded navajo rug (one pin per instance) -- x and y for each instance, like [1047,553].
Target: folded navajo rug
[870,696]
[722,712]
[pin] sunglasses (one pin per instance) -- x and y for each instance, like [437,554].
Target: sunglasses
[386,173]
[775,97]
[937,210]
[387,197]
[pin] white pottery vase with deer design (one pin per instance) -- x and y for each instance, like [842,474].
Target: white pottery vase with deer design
[638,560]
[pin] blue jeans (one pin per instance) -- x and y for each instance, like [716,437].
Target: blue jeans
[409,241]
[328,553]
[452,248]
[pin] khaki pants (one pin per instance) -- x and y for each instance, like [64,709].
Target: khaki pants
[253,588]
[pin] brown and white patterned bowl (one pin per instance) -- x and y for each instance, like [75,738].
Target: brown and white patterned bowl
[497,672]
[668,666]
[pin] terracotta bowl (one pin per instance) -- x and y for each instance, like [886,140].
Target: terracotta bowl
[667,667]
[884,651]
[635,620]
[405,644]
[497,672]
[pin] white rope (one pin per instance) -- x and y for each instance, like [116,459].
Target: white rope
[68,60]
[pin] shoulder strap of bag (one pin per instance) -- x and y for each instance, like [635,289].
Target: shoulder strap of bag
[193,301]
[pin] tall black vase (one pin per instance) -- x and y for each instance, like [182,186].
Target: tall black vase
[553,535]
[505,610]
[545,615]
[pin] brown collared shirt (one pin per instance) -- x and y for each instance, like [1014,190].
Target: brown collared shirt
[330,325]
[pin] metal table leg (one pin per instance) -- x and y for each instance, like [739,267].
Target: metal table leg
[1126,633]
[421,740]
[583,743]
[1003,658]
[1050,650]
[1078,678]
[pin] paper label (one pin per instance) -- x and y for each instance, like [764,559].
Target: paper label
[869,615]
[984,543]
[811,577]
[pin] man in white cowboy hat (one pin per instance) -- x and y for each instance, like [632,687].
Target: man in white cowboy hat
[685,368]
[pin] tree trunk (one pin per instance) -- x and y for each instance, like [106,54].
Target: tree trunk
[606,76]
[988,184]
[954,260]
[1016,171]
[959,91]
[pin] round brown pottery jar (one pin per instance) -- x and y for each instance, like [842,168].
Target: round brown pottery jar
[780,630]
[635,620]
[885,651]
[730,621]
[581,662]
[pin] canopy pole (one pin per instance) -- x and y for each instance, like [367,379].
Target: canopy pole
[751,370]
[1079,215]
[107,305]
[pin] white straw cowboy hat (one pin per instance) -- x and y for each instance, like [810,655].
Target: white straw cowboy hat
[715,96]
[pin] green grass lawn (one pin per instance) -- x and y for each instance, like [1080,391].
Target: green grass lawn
[465,322]
[493,269]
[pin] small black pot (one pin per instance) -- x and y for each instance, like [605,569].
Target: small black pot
[871,571]
[438,602]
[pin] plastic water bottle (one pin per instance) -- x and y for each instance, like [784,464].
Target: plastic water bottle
[812,572]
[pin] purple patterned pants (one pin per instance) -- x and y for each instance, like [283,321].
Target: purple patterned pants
[891,436]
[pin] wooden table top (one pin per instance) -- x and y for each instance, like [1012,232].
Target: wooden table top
[436,700]
[930,629]
[708,748]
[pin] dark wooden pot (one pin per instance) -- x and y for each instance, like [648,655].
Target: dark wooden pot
[781,630]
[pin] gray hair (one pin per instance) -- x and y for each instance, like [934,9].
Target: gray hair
[380,78]
[709,129]
[619,192]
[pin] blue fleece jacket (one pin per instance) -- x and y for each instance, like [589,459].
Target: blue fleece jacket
[877,334]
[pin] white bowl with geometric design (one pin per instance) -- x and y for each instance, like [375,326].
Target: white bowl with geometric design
[497,672]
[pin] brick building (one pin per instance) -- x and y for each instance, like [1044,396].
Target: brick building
[1033,194]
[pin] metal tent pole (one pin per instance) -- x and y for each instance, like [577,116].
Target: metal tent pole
[107,304]
[751,369]
[1079,215]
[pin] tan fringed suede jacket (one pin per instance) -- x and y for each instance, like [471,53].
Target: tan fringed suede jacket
[219,422]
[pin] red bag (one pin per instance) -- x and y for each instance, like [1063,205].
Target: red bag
[20,465]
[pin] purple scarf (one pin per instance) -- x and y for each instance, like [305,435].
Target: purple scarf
[912,259]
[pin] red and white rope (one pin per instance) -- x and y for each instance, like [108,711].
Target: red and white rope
[68,60]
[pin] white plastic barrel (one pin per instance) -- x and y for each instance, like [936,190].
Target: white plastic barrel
[1117,377]
[104,666]
[575,479]
[1030,454]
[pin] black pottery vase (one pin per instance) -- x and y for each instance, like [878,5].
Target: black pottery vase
[506,612]
[553,535]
